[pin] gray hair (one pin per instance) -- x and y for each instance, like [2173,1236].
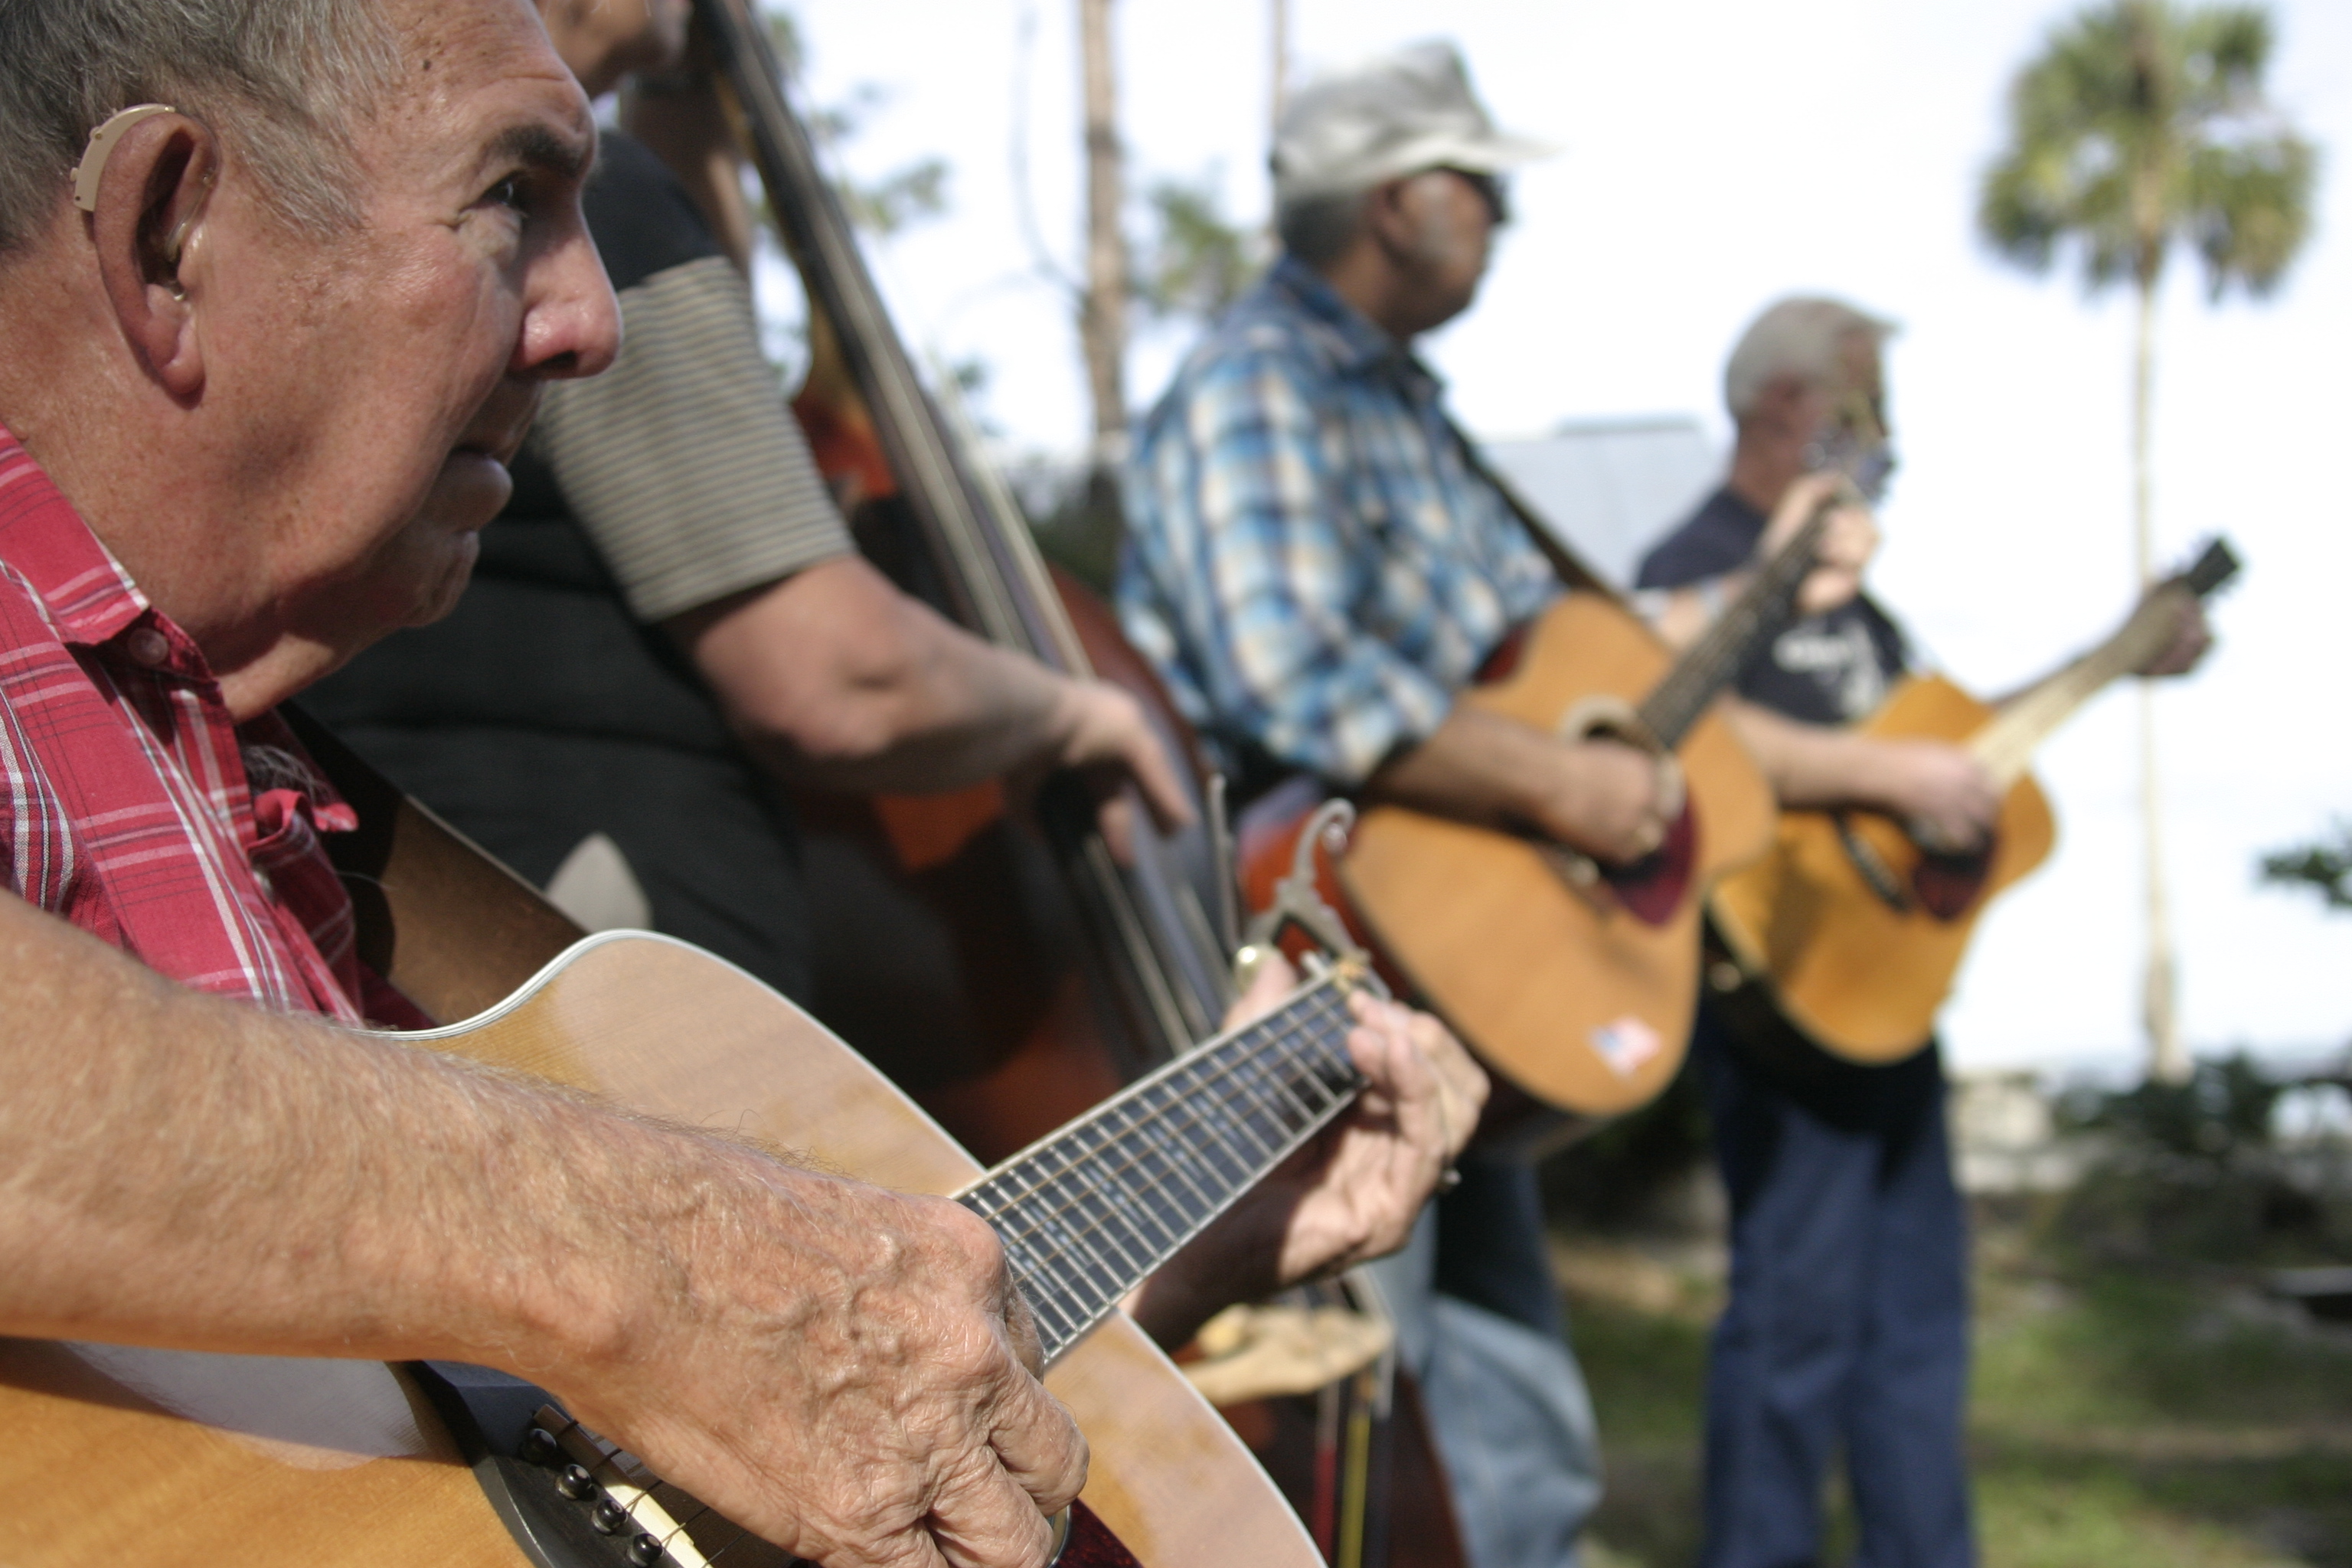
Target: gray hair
[283,83]
[1796,339]
[1317,229]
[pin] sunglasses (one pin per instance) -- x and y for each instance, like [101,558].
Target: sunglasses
[1492,188]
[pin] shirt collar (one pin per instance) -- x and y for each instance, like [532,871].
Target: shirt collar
[1352,341]
[91,599]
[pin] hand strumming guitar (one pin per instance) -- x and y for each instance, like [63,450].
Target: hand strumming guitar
[1350,1194]
[838,1368]
[1601,796]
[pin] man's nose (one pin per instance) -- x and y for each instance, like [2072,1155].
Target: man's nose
[572,325]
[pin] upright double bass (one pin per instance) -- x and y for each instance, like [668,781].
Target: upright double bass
[1008,973]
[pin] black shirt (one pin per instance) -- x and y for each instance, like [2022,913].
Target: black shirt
[1830,668]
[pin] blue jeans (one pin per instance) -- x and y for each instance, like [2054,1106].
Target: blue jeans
[1848,1319]
[1478,1324]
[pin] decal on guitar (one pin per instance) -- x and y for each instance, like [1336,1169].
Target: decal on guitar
[1627,1044]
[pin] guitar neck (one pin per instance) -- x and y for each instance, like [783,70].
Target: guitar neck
[1762,610]
[2006,743]
[1086,1213]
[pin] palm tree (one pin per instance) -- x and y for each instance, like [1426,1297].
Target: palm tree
[2140,126]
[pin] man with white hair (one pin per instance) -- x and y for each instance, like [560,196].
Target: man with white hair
[1317,564]
[1847,1325]
[281,284]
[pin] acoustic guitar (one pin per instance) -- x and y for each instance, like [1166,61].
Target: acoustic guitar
[1853,926]
[1573,980]
[121,1455]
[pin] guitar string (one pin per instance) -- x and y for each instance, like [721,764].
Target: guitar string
[1684,694]
[1185,1115]
[1190,1109]
[1298,1028]
[1188,1113]
[1187,1101]
[1080,1307]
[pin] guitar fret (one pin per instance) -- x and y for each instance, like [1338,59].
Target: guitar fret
[1068,1227]
[1677,702]
[1248,1077]
[1114,1211]
[1086,1215]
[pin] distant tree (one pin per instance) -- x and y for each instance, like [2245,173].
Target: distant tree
[1102,305]
[883,207]
[1195,261]
[2324,866]
[2143,125]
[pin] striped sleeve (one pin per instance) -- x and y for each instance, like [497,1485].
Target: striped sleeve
[682,461]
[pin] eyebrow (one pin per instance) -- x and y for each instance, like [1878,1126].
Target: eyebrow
[536,146]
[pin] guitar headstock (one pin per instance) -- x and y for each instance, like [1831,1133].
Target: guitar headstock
[2214,567]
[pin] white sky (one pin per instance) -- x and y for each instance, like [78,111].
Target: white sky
[1720,154]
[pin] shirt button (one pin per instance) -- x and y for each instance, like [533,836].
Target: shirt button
[148,646]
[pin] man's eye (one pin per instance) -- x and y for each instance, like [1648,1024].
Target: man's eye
[509,192]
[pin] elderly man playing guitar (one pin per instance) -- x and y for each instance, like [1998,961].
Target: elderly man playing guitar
[281,286]
[1848,1319]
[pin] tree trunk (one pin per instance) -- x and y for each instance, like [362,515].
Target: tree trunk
[1102,315]
[2167,1059]
[1279,75]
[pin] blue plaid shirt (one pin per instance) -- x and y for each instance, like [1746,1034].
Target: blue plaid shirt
[1312,561]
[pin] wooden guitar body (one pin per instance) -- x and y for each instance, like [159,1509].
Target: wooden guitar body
[1856,932]
[158,1458]
[1580,995]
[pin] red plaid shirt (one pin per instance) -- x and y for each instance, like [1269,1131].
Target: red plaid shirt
[129,803]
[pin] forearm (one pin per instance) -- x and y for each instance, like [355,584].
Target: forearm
[183,1170]
[1809,765]
[1818,765]
[1474,767]
[836,678]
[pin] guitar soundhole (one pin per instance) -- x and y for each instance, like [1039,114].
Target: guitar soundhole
[571,1499]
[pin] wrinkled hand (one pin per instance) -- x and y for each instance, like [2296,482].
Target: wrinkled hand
[1102,733]
[2192,635]
[1842,551]
[1940,791]
[844,1371]
[1605,801]
[1351,1194]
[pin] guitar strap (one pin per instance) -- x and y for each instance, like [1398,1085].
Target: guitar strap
[1571,569]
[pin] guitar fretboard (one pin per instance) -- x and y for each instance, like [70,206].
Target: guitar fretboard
[1713,662]
[1087,1213]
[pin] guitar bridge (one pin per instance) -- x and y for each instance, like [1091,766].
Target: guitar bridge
[573,1498]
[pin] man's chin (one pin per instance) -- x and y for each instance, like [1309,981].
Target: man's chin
[441,595]
[472,488]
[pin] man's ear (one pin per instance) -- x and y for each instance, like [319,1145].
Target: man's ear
[1390,221]
[149,217]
